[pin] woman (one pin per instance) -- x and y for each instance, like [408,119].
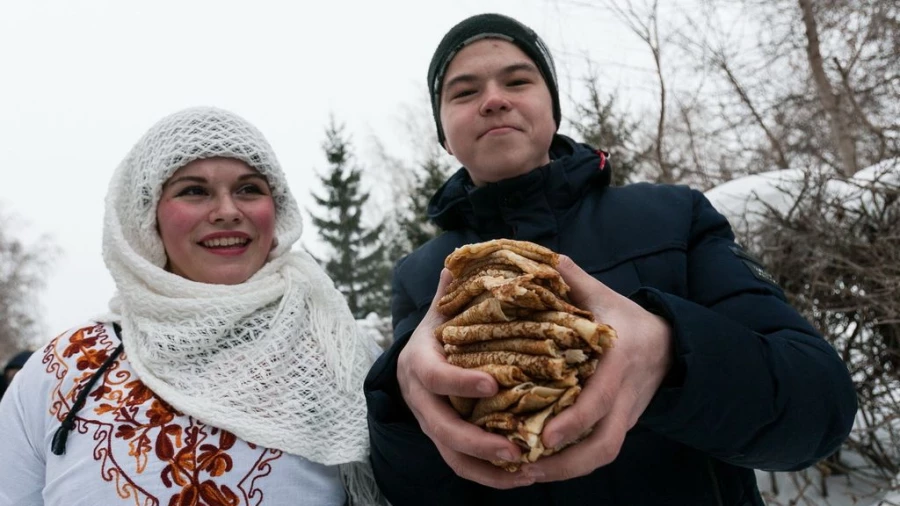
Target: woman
[230,370]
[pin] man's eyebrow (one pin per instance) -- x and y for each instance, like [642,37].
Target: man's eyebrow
[461,78]
[516,67]
[509,69]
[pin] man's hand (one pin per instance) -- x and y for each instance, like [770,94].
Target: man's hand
[619,391]
[425,379]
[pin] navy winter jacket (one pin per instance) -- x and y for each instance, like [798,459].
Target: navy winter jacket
[753,384]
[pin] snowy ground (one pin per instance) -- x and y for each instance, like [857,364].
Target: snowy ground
[808,488]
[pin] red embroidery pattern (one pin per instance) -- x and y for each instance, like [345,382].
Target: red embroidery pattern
[121,409]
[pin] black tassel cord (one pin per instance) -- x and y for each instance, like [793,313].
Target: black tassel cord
[58,446]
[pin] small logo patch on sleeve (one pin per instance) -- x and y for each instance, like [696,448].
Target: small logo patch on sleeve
[760,273]
[754,265]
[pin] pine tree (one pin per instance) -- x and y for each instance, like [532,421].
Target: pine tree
[357,260]
[601,125]
[414,223]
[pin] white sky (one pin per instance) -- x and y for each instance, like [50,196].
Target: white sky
[80,82]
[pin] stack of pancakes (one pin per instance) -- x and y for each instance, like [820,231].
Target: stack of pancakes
[510,317]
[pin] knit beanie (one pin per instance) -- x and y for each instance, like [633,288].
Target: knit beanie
[488,26]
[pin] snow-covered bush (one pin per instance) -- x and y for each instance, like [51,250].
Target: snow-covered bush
[833,244]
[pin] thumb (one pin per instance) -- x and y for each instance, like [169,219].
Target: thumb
[446,278]
[583,285]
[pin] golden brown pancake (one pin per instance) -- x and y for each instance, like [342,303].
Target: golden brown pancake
[544,347]
[452,303]
[471,252]
[532,365]
[463,405]
[565,338]
[489,310]
[597,335]
[510,316]
[499,421]
[510,260]
[505,375]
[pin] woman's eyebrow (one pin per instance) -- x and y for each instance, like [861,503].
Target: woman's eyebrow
[193,179]
[253,175]
[202,180]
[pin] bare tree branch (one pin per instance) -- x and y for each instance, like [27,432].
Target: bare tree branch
[839,130]
[780,158]
[648,31]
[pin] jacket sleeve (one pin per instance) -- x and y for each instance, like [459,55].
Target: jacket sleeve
[752,384]
[406,463]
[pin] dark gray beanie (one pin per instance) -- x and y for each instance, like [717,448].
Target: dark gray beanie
[484,26]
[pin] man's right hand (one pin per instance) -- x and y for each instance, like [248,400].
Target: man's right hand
[426,379]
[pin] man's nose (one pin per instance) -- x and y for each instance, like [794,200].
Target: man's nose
[495,99]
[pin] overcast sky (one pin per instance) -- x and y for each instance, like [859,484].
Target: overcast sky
[81,81]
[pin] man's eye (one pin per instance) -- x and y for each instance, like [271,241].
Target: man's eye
[463,93]
[191,191]
[519,82]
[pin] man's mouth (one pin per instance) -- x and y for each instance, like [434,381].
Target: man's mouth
[498,130]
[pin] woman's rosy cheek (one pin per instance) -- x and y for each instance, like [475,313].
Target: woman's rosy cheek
[176,220]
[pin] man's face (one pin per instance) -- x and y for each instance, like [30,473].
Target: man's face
[496,111]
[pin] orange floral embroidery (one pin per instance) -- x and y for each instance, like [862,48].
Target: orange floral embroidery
[79,341]
[194,454]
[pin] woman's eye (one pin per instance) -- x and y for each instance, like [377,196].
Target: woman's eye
[191,191]
[518,82]
[463,93]
[251,189]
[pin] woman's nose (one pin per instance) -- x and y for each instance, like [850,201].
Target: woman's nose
[225,210]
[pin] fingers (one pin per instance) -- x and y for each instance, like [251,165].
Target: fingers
[482,472]
[441,378]
[424,376]
[446,278]
[593,403]
[423,359]
[600,448]
[445,427]
[433,317]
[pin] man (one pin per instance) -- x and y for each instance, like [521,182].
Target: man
[713,374]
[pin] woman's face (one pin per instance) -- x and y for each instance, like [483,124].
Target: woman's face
[216,218]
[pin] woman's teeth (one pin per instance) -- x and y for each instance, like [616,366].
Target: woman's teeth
[224,242]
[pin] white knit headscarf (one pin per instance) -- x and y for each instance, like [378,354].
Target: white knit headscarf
[277,360]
